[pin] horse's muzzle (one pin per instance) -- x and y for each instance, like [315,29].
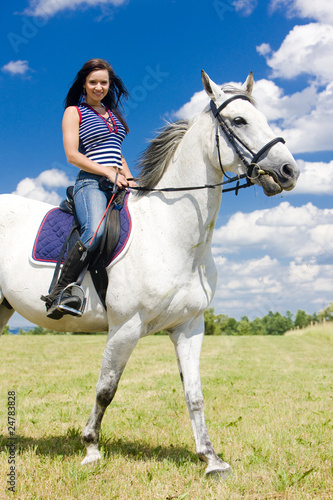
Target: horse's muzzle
[273,181]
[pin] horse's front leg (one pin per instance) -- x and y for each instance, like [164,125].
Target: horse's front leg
[187,340]
[119,347]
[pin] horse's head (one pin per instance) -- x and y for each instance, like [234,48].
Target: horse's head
[253,148]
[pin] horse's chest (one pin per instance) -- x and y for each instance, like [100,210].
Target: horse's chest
[179,303]
[189,292]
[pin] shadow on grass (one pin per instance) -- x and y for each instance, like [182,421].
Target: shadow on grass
[70,444]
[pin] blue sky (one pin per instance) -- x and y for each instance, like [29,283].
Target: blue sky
[281,258]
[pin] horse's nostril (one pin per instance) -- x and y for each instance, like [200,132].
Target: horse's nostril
[287,170]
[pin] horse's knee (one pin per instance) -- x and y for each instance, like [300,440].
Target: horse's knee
[105,391]
[105,396]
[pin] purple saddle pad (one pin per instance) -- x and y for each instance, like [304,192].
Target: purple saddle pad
[56,226]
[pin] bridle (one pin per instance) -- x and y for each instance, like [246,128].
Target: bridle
[234,140]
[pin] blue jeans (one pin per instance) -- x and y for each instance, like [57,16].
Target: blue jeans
[90,205]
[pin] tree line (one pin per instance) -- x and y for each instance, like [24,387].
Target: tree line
[271,324]
[221,324]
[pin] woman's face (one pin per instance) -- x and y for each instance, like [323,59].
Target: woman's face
[97,85]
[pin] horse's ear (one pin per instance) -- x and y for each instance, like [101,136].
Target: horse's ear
[248,85]
[213,90]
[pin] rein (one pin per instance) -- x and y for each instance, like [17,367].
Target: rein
[194,188]
[234,140]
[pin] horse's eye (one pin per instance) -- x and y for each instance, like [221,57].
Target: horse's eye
[239,121]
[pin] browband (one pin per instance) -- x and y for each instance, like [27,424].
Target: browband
[216,110]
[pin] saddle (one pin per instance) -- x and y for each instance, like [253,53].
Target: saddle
[59,231]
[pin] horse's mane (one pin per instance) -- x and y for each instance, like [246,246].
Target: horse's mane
[154,160]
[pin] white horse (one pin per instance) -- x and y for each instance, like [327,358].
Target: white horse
[167,277]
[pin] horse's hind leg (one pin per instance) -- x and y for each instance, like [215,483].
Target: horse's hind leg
[6,312]
[187,340]
[119,347]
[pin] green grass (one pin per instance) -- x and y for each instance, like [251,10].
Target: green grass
[268,401]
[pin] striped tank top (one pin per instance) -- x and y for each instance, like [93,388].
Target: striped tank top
[99,140]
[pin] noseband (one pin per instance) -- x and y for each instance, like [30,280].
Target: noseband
[234,140]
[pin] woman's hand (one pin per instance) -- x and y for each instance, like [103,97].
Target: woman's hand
[121,179]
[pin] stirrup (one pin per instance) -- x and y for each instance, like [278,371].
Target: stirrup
[75,291]
[59,309]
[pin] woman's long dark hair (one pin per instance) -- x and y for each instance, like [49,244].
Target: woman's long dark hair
[117,90]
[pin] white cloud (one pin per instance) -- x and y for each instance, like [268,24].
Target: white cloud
[16,67]
[196,104]
[283,231]
[43,187]
[320,10]
[305,118]
[53,178]
[257,286]
[312,129]
[315,178]
[307,50]
[245,7]
[275,105]
[292,267]
[264,49]
[48,8]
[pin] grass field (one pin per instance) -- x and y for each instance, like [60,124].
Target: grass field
[268,401]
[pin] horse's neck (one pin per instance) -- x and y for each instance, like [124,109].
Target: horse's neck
[190,165]
[192,213]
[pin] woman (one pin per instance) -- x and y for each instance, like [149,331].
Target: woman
[93,131]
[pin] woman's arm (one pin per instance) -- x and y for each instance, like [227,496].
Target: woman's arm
[127,173]
[70,131]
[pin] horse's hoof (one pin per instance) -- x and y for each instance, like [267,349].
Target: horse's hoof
[219,474]
[91,457]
